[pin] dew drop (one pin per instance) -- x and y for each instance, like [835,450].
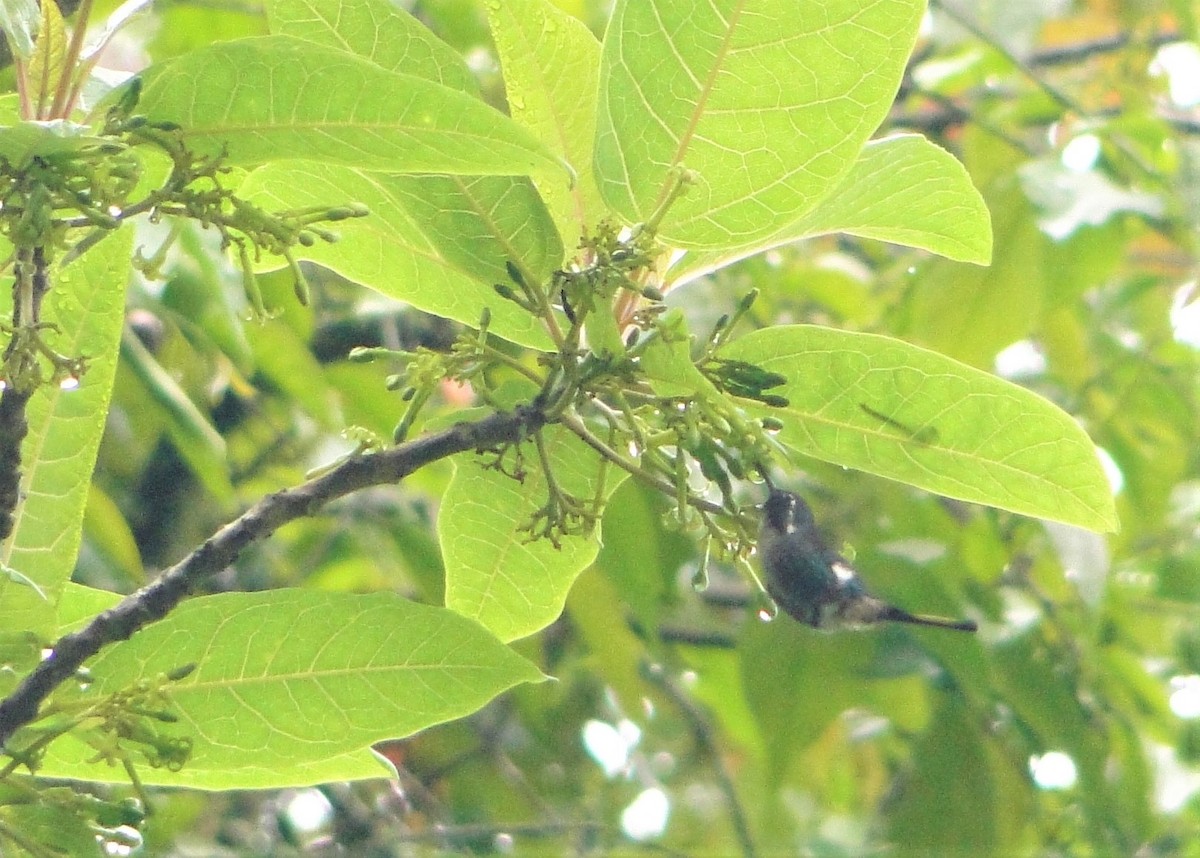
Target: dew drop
[700,580]
[71,382]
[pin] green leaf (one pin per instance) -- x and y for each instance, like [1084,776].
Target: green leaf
[19,22]
[80,604]
[282,355]
[640,555]
[87,304]
[906,190]
[436,242]
[294,685]
[24,140]
[278,97]
[192,433]
[551,70]
[494,574]
[377,30]
[902,189]
[767,101]
[949,801]
[48,63]
[899,411]
[56,825]
[972,313]
[108,533]
[19,654]
[444,230]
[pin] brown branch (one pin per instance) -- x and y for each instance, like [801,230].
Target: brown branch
[156,600]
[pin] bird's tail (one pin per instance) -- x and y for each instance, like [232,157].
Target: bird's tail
[899,615]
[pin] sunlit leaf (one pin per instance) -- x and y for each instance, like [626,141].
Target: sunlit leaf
[278,97]
[494,572]
[48,63]
[439,243]
[87,304]
[377,30]
[899,411]
[551,62]
[903,190]
[768,102]
[292,686]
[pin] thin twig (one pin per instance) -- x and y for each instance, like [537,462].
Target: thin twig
[156,600]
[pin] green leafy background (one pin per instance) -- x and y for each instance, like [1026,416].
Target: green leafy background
[944,357]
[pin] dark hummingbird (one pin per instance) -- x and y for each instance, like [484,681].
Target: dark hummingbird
[816,585]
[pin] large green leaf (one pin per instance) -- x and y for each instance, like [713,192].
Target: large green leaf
[87,303]
[292,686]
[80,604]
[767,101]
[902,189]
[494,573]
[551,64]
[278,97]
[377,30]
[893,409]
[437,242]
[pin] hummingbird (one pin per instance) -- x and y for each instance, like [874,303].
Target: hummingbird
[816,585]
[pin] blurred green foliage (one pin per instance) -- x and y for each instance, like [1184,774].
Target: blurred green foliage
[892,741]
